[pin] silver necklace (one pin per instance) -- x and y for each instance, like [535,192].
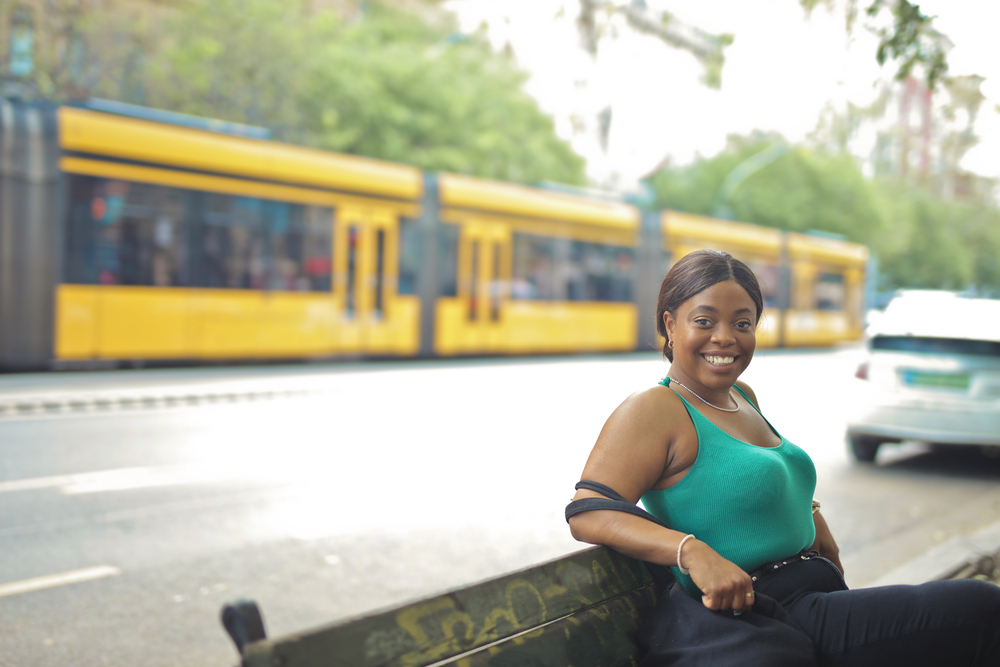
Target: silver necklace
[706,402]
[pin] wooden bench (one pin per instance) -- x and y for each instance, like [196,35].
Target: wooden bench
[581,610]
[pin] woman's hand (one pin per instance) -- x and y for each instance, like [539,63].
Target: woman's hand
[825,544]
[723,583]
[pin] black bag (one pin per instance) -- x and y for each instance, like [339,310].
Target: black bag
[682,632]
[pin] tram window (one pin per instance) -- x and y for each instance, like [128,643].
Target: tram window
[379,272]
[125,233]
[300,245]
[122,233]
[350,305]
[447,264]
[495,285]
[232,240]
[603,273]
[769,278]
[474,281]
[829,291]
[409,256]
[533,267]
[562,269]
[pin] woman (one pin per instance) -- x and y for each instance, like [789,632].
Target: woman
[737,496]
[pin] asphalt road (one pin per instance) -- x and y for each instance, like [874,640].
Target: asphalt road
[125,528]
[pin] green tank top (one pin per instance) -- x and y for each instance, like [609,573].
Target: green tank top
[752,504]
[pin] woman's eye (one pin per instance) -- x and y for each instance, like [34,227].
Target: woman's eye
[743,325]
[702,321]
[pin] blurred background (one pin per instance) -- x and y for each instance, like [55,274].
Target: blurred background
[324,303]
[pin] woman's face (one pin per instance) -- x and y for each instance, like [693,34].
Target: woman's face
[714,336]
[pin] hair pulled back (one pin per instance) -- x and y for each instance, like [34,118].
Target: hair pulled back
[696,272]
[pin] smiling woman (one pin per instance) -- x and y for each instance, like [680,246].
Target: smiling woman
[731,499]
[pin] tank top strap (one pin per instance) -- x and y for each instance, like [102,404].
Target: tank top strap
[692,413]
[697,416]
[666,383]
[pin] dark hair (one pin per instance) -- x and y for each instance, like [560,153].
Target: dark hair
[696,272]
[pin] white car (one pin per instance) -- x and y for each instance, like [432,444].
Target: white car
[933,370]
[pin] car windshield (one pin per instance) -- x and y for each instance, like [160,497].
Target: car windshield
[925,344]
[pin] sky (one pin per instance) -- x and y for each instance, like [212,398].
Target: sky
[781,71]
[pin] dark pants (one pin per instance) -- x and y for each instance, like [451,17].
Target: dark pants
[938,624]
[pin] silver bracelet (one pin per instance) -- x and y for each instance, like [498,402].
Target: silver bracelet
[680,567]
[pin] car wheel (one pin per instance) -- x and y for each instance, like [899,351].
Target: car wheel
[864,447]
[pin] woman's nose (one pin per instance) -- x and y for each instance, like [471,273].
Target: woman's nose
[723,336]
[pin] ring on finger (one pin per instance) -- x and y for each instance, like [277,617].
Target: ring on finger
[749,595]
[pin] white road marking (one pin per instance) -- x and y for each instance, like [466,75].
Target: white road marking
[62,579]
[126,479]
[120,479]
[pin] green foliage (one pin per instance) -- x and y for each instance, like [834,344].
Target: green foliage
[432,99]
[912,41]
[385,81]
[798,191]
[919,240]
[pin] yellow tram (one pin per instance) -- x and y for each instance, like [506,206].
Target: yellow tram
[176,242]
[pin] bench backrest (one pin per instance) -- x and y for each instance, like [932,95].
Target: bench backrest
[580,610]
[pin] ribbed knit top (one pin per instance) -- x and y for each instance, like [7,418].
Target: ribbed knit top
[752,504]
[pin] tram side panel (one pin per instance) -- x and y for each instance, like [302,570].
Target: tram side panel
[29,235]
[536,271]
[827,279]
[166,263]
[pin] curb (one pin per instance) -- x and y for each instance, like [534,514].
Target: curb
[961,557]
[102,402]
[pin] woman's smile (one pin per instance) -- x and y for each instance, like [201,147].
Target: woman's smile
[713,335]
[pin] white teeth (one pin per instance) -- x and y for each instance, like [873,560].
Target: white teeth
[720,361]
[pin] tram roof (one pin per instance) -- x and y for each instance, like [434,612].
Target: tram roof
[508,198]
[142,140]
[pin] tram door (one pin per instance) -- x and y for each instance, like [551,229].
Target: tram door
[484,279]
[365,259]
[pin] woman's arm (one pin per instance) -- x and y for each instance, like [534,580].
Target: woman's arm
[637,447]
[825,544]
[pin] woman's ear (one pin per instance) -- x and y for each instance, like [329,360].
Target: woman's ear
[668,324]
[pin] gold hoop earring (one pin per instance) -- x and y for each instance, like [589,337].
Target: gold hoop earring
[670,344]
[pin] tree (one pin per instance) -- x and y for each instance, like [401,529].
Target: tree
[800,190]
[390,79]
[911,40]
[385,84]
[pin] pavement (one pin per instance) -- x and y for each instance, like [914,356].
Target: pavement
[85,391]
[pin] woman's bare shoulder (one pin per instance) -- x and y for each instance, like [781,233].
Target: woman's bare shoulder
[634,446]
[657,404]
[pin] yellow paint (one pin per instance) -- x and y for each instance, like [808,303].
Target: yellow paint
[409,619]
[76,321]
[618,236]
[683,233]
[814,328]
[527,327]
[519,200]
[146,141]
[767,331]
[833,251]
[127,322]
[397,327]
[229,186]
[493,323]
[555,590]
